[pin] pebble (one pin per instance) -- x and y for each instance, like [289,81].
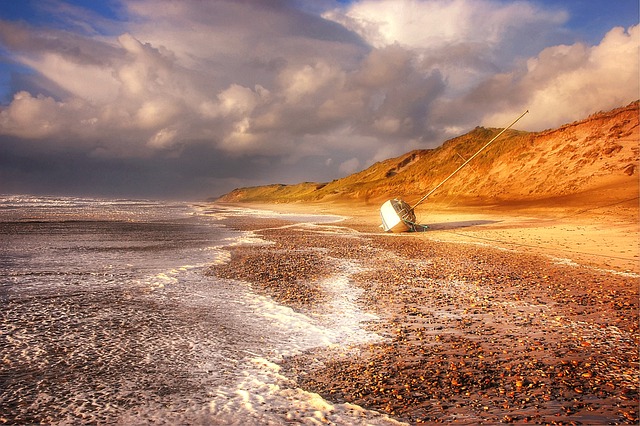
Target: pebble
[475,333]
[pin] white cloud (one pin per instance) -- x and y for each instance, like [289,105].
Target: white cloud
[435,24]
[266,80]
[154,113]
[94,83]
[237,100]
[350,166]
[464,40]
[567,83]
[31,117]
[309,80]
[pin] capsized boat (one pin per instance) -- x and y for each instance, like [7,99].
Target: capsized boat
[398,216]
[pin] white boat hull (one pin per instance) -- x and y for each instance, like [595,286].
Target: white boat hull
[397,216]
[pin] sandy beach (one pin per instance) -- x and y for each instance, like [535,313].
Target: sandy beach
[491,316]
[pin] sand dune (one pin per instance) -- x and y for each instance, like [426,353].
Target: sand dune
[590,163]
[570,193]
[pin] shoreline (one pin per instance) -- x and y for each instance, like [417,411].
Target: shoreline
[606,238]
[474,334]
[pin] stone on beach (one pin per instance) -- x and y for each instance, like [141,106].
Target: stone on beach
[473,334]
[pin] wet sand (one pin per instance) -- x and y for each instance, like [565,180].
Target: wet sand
[481,323]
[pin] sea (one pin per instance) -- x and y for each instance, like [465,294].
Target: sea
[109,317]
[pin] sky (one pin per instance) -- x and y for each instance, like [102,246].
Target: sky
[190,99]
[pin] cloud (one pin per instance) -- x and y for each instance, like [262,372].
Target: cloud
[567,83]
[461,38]
[440,23]
[350,166]
[299,93]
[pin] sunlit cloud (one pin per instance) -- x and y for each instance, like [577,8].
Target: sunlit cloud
[565,83]
[437,24]
[278,85]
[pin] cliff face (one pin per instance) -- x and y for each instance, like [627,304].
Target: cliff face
[598,155]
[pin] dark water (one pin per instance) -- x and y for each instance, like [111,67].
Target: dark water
[107,317]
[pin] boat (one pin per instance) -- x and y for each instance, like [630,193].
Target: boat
[399,216]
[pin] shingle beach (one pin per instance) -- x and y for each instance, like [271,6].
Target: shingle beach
[472,333]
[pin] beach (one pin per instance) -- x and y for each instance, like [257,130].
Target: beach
[490,316]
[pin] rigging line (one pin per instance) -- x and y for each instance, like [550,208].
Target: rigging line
[540,247]
[471,158]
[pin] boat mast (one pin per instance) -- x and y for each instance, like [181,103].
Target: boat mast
[467,162]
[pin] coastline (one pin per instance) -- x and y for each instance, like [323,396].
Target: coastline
[479,327]
[605,237]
